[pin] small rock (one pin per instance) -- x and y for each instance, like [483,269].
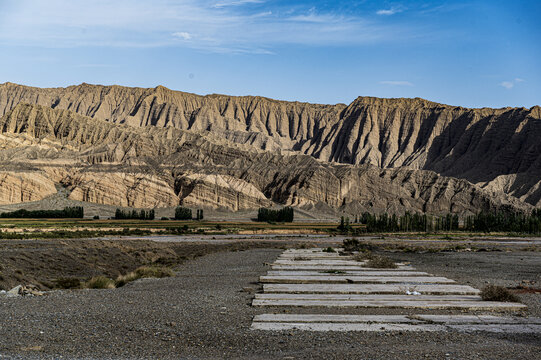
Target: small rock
[15,291]
[20,290]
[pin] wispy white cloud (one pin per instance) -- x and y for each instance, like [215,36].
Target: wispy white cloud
[237,3]
[95,66]
[229,27]
[511,84]
[396,83]
[391,11]
[182,35]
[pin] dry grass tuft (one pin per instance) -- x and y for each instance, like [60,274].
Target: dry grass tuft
[363,256]
[498,293]
[144,272]
[100,282]
[380,262]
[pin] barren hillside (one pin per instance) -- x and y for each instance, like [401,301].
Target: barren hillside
[116,164]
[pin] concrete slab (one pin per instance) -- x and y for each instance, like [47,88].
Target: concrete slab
[341,279]
[477,319]
[499,328]
[425,289]
[333,267]
[316,256]
[419,304]
[318,262]
[311,250]
[369,297]
[278,326]
[333,318]
[343,273]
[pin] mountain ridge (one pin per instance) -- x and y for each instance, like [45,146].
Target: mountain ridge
[115,164]
[496,149]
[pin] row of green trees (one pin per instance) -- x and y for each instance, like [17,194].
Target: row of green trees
[283,215]
[409,222]
[505,222]
[183,213]
[134,214]
[67,212]
[498,221]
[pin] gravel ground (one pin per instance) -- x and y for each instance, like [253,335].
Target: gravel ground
[204,312]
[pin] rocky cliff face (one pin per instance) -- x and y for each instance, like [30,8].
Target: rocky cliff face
[16,187]
[243,152]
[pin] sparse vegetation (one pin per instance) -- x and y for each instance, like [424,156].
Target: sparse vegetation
[345,226]
[100,282]
[329,250]
[363,256]
[350,245]
[498,293]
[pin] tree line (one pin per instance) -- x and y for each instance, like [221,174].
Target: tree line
[496,221]
[505,222]
[183,213]
[134,214]
[283,215]
[67,212]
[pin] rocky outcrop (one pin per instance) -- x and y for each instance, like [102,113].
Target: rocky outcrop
[16,187]
[121,189]
[524,187]
[219,191]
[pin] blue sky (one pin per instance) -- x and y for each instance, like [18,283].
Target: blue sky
[471,53]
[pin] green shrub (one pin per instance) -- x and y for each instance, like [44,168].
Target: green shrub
[283,215]
[182,213]
[329,250]
[100,282]
[498,293]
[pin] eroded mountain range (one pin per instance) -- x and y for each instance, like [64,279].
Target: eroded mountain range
[156,147]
